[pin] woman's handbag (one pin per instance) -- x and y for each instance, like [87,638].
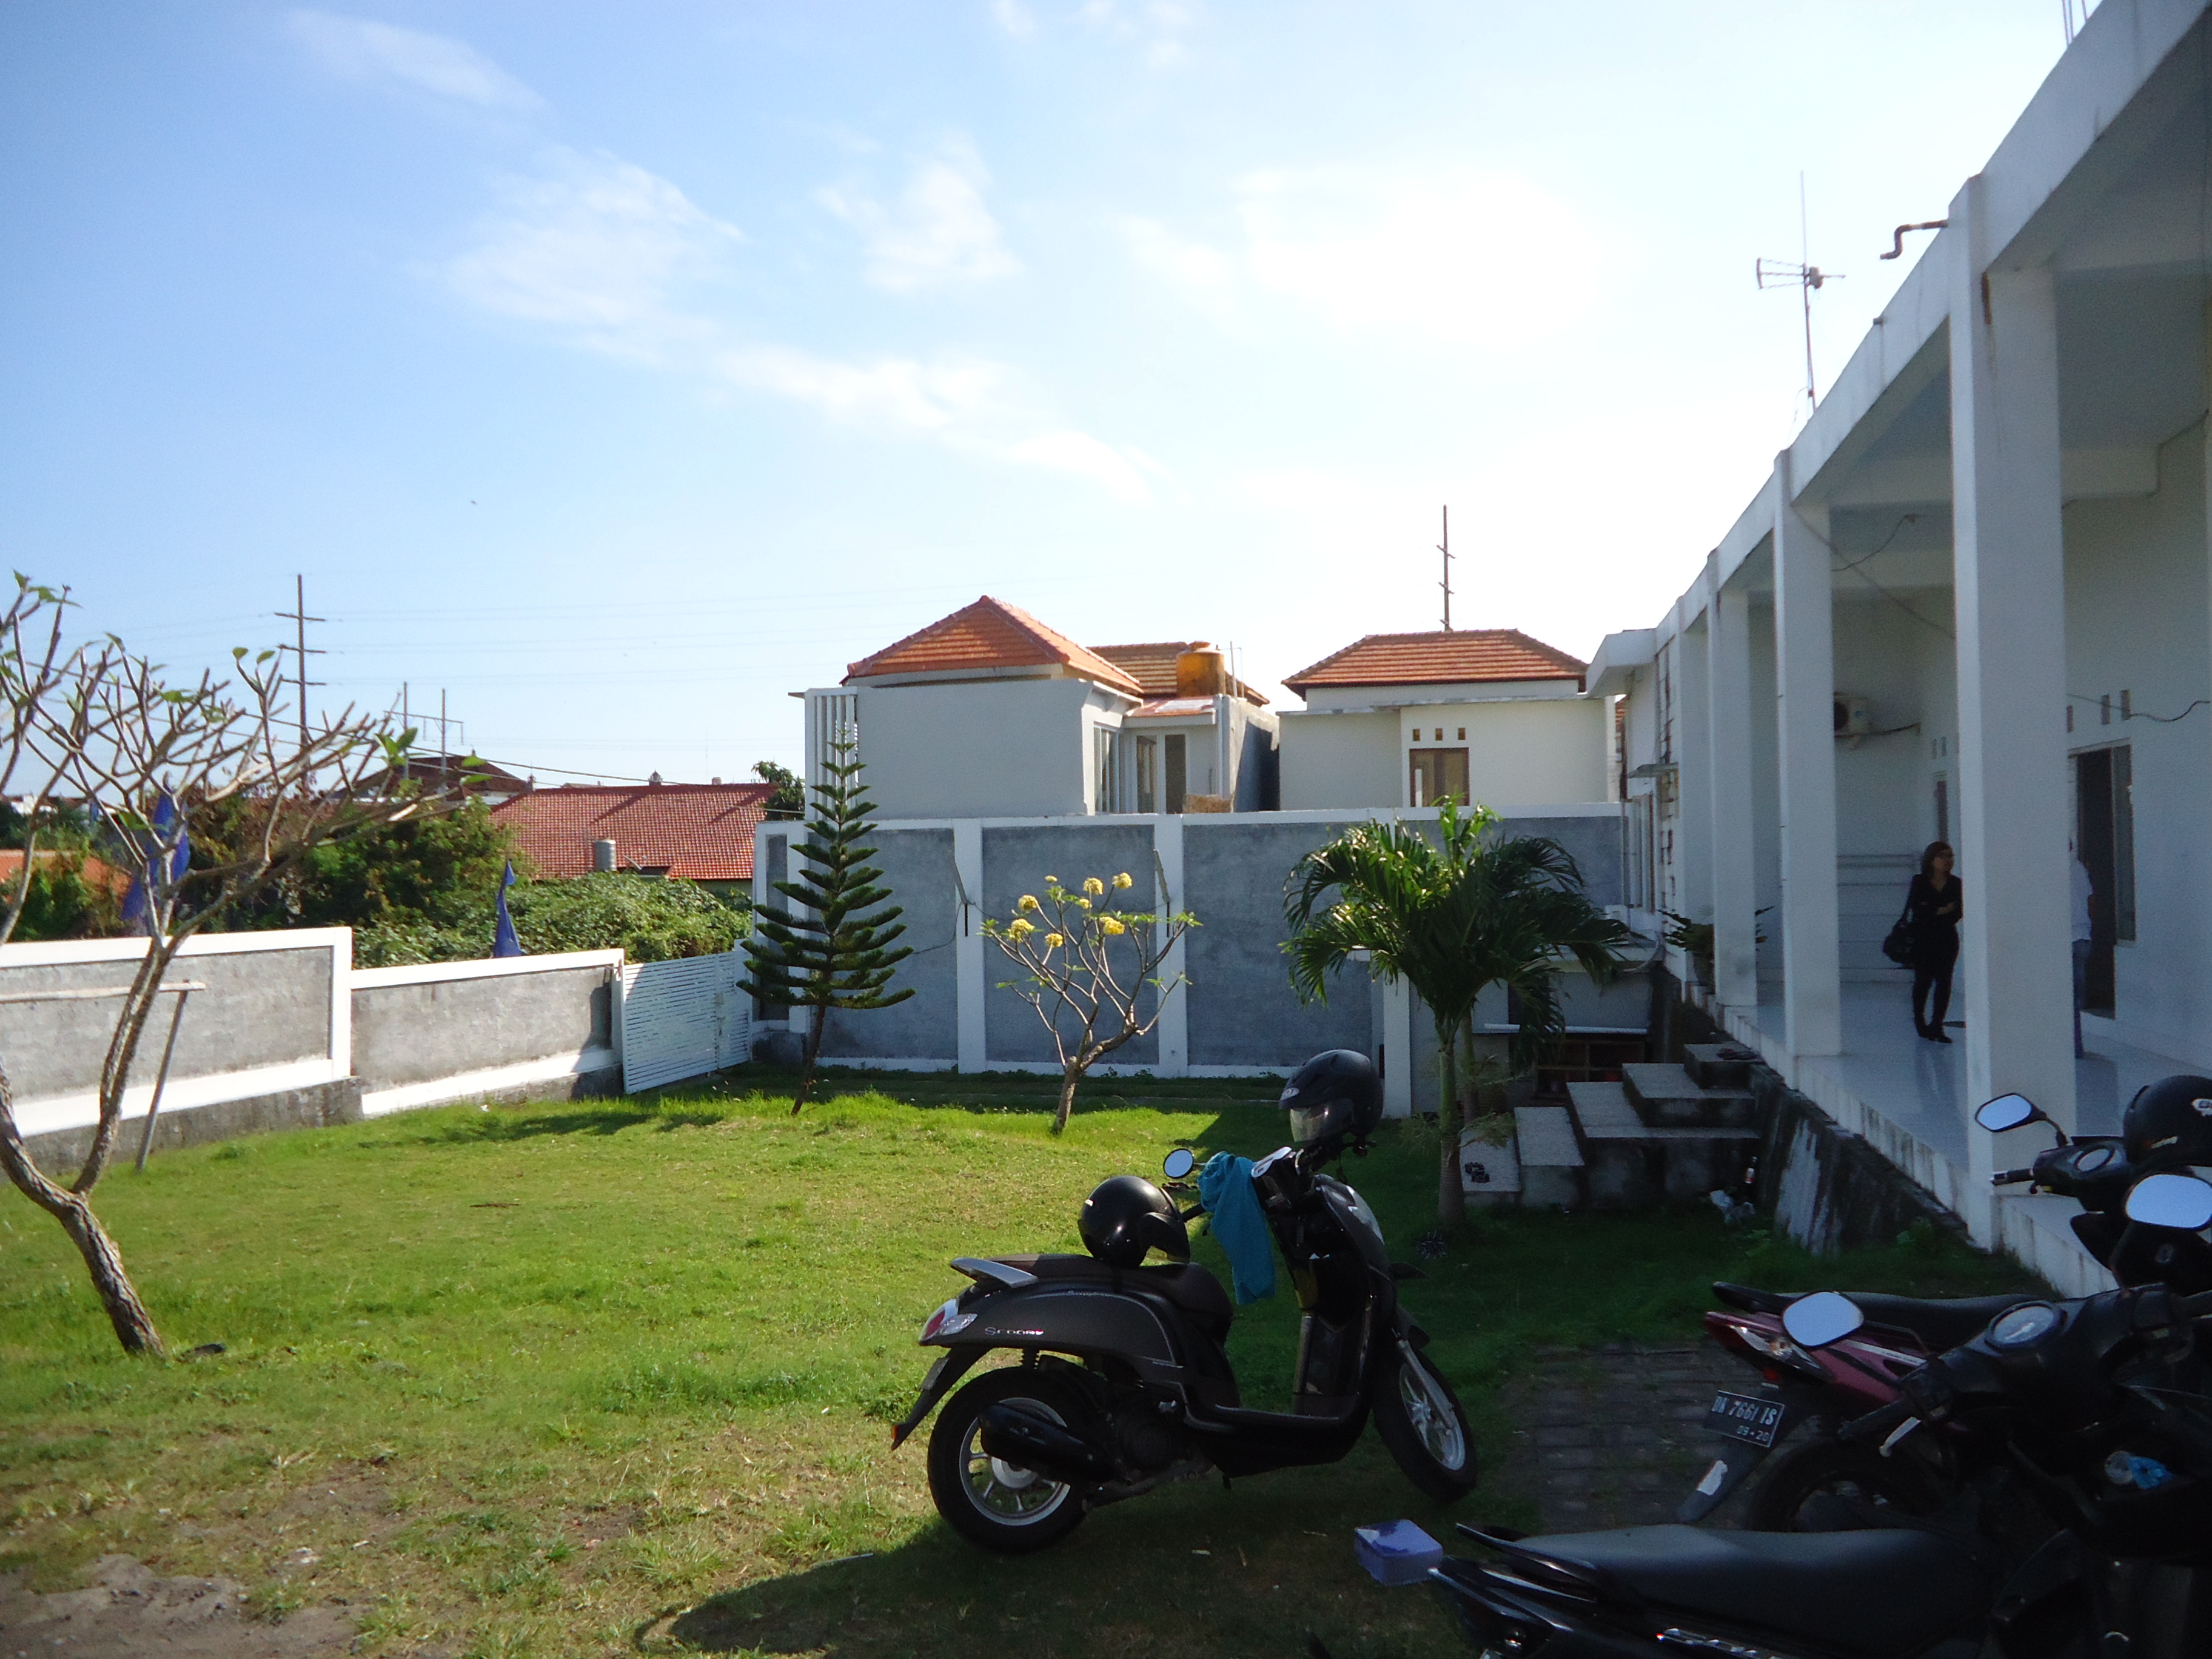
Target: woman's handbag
[1897,944]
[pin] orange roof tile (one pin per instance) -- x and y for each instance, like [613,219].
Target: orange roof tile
[989,634]
[696,831]
[1458,657]
[1153,667]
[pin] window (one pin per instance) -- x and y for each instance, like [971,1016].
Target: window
[1106,753]
[1437,773]
[1148,774]
[1178,770]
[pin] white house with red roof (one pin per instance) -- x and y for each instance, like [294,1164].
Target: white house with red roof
[1487,714]
[989,713]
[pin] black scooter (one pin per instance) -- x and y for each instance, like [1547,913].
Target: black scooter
[1123,1380]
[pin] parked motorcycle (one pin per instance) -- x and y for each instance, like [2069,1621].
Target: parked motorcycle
[1822,1482]
[1123,1380]
[2101,1404]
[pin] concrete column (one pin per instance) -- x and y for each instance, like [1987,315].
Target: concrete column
[1174,1028]
[1805,684]
[970,985]
[1735,875]
[2009,570]
[1693,829]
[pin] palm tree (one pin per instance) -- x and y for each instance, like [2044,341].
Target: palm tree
[1450,917]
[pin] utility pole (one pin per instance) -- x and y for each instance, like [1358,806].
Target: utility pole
[1444,548]
[298,617]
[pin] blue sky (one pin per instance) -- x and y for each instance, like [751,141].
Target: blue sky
[619,369]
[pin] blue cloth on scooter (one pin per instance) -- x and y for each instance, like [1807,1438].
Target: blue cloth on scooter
[1225,1187]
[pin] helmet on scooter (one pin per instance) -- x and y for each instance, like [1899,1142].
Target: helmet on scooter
[2169,1122]
[1126,1216]
[1336,1096]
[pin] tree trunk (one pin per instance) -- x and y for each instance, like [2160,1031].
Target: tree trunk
[1451,1197]
[133,1325]
[817,1021]
[1070,1076]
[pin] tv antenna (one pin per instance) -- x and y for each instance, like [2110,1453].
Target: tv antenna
[1805,278]
[1444,548]
[298,617]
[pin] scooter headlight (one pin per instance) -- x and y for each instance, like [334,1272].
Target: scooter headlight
[947,1320]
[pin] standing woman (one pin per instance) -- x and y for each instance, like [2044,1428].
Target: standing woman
[1932,910]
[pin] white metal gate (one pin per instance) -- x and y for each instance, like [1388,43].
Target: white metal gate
[683,1019]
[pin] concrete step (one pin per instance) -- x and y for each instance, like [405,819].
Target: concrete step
[1630,1165]
[1667,1097]
[1488,1174]
[1551,1157]
[1720,1065]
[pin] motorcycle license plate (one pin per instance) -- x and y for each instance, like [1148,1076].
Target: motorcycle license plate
[1743,1416]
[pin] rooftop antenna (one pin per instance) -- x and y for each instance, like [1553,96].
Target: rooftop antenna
[1804,276]
[1444,548]
[298,616]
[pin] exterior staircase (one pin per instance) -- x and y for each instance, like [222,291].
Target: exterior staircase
[1664,1134]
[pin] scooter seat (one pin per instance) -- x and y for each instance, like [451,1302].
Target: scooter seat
[1878,1592]
[1188,1286]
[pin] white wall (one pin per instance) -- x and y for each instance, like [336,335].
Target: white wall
[1016,748]
[1339,760]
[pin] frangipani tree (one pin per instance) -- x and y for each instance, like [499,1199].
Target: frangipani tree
[1085,966]
[1451,917]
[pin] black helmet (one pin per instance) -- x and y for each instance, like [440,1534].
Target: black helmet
[1126,1215]
[1336,1096]
[2170,1122]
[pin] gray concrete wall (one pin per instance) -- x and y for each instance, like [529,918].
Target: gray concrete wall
[1016,861]
[917,867]
[261,1007]
[1243,1010]
[417,1033]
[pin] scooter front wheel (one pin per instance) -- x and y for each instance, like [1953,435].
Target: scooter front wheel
[1421,1421]
[988,1501]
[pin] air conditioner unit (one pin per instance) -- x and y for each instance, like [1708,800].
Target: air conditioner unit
[1854,715]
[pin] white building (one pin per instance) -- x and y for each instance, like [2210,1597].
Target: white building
[1971,605]
[1402,719]
[988,713]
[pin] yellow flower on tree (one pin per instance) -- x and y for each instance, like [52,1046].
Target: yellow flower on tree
[1111,926]
[1029,902]
[1093,886]
[1123,880]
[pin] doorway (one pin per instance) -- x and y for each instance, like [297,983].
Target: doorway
[2104,839]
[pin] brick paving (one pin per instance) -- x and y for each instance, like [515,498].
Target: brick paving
[1614,1437]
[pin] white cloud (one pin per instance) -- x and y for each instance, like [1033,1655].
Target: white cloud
[595,245]
[938,234]
[1461,256]
[362,51]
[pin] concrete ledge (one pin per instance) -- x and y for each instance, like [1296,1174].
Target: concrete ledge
[317,1107]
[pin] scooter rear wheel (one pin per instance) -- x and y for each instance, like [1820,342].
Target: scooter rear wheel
[1421,1421]
[1003,1508]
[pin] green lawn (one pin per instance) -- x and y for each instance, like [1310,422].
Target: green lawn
[568,1379]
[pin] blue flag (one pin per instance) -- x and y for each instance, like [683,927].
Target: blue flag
[503,940]
[166,831]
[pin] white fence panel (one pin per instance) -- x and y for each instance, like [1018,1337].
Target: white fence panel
[683,1020]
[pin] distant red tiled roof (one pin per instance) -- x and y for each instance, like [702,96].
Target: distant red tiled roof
[1456,658]
[1153,667]
[989,634]
[696,831]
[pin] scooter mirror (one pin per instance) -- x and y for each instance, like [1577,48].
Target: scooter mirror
[2179,1201]
[1825,1316]
[1179,1162]
[2007,1112]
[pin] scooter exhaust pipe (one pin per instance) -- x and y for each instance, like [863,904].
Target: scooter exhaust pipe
[1030,1441]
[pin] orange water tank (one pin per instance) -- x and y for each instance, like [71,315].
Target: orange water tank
[1201,672]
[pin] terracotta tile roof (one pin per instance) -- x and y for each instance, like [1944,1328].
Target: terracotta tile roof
[1456,658]
[1153,667]
[697,831]
[989,634]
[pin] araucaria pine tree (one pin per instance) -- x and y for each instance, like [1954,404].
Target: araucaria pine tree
[832,948]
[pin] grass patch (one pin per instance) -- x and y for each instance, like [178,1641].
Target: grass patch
[566,1379]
